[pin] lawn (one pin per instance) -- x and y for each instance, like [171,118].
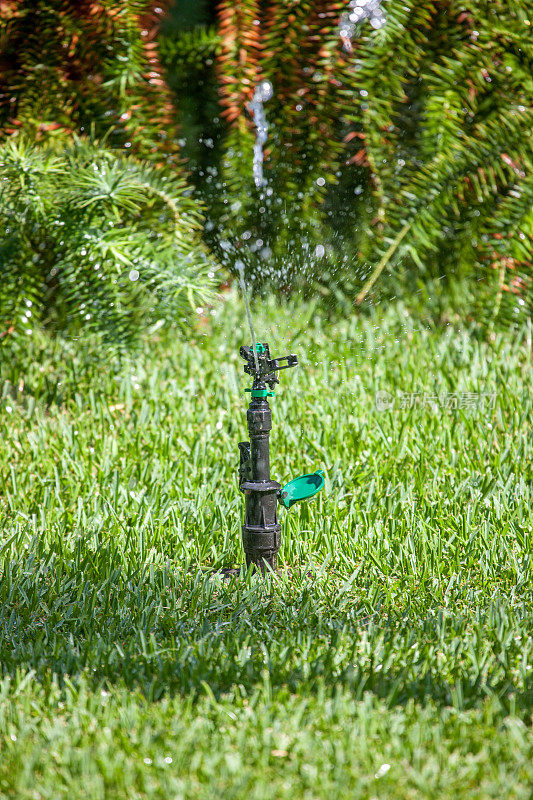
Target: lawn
[393,658]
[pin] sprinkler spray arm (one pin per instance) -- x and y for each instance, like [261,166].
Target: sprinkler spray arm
[264,369]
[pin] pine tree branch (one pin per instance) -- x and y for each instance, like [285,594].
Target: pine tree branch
[383,263]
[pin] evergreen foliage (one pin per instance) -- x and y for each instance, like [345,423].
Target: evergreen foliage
[405,152]
[95,241]
[413,149]
[101,233]
[69,67]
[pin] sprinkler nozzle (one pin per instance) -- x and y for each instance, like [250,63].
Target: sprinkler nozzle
[262,368]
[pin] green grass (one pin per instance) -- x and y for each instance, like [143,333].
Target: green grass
[401,635]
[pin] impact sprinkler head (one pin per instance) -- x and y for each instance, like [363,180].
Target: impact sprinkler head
[264,369]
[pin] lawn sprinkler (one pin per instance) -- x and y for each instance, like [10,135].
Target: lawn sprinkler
[261,532]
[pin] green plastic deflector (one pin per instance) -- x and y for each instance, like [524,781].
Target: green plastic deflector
[301,488]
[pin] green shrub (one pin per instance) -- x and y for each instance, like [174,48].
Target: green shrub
[411,152]
[95,242]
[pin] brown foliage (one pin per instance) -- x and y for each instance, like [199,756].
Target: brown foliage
[58,62]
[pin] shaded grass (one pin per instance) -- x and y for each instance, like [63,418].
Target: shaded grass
[400,634]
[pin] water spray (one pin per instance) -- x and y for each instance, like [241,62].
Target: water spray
[262,92]
[261,531]
[358,11]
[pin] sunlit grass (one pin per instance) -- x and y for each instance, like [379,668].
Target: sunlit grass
[400,634]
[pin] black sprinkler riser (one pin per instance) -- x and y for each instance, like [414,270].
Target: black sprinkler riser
[259,426]
[261,532]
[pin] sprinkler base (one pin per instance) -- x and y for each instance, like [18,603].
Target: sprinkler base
[230,573]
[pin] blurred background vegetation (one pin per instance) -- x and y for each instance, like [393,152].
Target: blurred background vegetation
[394,161]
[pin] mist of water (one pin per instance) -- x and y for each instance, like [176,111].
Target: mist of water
[240,268]
[263,92]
